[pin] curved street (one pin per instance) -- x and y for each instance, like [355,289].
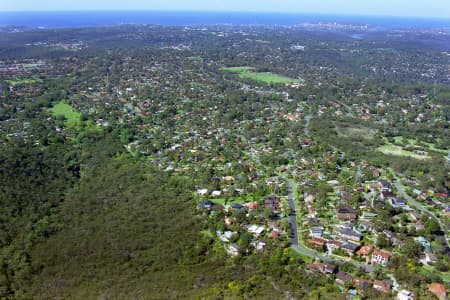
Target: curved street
[401,190]
[298,246]
[307,121]
[292,218]
[296,242]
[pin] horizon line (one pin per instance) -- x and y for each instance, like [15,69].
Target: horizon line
[231,11]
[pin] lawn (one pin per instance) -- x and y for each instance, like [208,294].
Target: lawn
[358,131]
[218,200]
[237,69]
[398,151]
[195,84]
[266,77]
[207,233]
[445,276]
[294,254]
[19,81]
[240,200]
[401,140]
[236,199]
[71,115]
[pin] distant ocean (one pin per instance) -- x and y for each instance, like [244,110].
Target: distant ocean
[99,18]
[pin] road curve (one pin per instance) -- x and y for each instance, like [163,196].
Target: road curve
[301,249]
[401,190]
[292,218]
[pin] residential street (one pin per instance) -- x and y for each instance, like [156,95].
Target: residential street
[401,190]
[298,246]
[307,121]
[293,215]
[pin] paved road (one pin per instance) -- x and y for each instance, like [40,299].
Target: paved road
[307,120]
[395,285]
[358,175]
[331,259]
[298,246]
[294,227]
[348,108]
[293,216]
[401,190]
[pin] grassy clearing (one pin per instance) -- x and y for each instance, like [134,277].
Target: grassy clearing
[403,141]
[195,58]
[19,81]
[266,77]
[196,84]
[445,276]
[238,69]
[398,151]
[71,115]
[218,200]
[294,254]
[224,201]
[431,270]
[207,233]
[363,132]
[237,199]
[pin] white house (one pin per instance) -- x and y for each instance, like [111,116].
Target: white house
[405,295]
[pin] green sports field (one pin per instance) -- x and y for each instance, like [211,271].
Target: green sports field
[266,77]
[71,115]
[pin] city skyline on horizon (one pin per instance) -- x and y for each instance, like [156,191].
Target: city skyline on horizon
[434,9]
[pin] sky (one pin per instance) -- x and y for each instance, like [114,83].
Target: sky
[403,8]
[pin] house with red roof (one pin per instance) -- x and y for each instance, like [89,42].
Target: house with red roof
[365,250]
[318,242]
[438,289]
[323,268]
[252,206]
[275,234]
